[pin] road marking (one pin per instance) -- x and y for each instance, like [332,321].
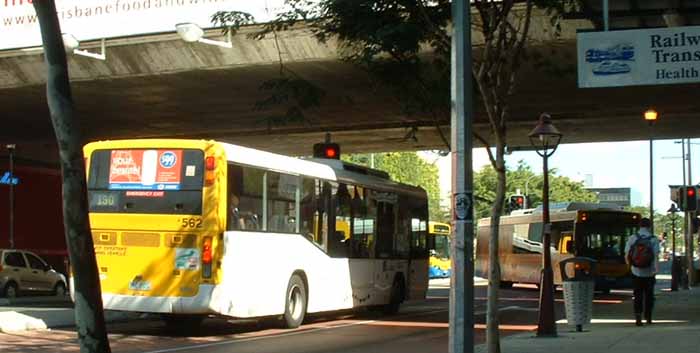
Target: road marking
[294,333]
[627,321]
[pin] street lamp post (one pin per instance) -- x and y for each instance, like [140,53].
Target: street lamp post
[650,116]
[545,138]
[674,269]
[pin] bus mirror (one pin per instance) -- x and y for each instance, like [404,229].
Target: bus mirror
[431,243]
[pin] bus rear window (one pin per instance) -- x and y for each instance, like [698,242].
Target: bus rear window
[153,181]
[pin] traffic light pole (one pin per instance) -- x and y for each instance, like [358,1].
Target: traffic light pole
[692,280]
[11,235]
[674,269]
[461,331]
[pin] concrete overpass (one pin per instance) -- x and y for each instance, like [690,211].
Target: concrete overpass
[158,86]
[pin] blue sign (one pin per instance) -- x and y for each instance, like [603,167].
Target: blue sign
[639,57]
[7,179]
[168,159]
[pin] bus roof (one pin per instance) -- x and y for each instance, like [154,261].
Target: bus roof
[559,211]
[327,169]
[569,206]
[361,175]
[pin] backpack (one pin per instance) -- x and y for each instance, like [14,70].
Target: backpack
[641,253]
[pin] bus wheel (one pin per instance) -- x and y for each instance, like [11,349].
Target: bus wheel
[396,297]
[295,302]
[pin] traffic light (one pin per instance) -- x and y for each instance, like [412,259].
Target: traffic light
[327,150]
[690,198]
[516,202]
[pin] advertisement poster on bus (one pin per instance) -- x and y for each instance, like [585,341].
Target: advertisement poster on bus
[145,170]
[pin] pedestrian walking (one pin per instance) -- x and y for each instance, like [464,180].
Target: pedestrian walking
[642,251]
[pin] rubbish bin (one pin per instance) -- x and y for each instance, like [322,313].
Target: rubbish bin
[578,290]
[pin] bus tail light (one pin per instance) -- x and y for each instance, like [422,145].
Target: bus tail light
[206,257]
[580,266]
[209,170]
[583,217]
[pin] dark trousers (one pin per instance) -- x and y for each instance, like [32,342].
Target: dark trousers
[644,295]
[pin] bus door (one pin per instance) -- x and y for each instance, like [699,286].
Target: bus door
[353,238]
[386,266]
[418,268]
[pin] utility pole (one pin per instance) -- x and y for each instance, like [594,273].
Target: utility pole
[11,156]
[461,334]
[692,278]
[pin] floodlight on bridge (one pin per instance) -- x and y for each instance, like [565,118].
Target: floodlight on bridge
[651,115]
[71,44]
[191,33]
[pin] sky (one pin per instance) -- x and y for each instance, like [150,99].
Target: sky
[610,164]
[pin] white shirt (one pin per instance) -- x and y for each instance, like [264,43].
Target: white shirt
[651,270]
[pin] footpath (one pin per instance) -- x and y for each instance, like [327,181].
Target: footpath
[44,312]
[676,326]
[675,329]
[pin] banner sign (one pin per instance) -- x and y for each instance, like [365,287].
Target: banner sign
[639,57]
[145,170]
[97,19]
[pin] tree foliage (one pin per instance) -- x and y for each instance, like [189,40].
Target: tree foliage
[663,222]
[408,168]
[523,179]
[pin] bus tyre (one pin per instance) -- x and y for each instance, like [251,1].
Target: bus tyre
[295,303]
[396,297]
[10,290]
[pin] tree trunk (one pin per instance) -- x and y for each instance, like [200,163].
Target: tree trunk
[492,321]
[89,315]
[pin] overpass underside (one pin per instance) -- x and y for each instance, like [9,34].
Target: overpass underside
[161,86]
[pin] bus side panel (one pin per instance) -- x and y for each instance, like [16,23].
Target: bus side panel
[418,274]
[256,269]
[518,267]
[481,264]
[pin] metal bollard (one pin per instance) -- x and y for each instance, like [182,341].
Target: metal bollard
[578,291]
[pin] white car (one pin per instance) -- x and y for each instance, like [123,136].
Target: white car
[22,272]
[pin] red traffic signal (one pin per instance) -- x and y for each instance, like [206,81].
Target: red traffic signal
[520,200]
[327,150]
[690,198]
[516,202]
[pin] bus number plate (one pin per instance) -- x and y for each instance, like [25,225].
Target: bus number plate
[104,200]
[190,222]
[140,285]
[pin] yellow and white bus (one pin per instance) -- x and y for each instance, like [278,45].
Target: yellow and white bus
[190,228]
[440,265]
